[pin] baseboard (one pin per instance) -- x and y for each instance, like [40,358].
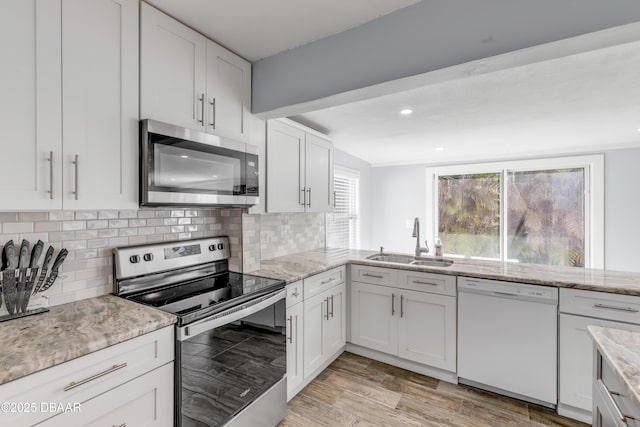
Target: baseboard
[575,413]
[436,373]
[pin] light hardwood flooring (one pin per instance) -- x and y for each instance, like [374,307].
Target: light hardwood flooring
[355,390]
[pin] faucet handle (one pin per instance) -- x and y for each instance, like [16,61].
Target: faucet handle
[381,249]
[426,245]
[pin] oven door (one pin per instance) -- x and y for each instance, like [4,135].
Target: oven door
[230,370]
[185,167]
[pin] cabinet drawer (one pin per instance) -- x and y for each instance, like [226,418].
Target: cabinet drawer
[294,293]
[622,308]
[146,401]
[619,393]
[374,275]
[318,283]
[427,282]
[90,375]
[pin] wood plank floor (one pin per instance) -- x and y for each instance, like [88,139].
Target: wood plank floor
[356,390]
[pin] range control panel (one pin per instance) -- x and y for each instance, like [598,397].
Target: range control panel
[140,260]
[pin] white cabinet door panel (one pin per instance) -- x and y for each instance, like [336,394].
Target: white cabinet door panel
[228,93]
[285,168]
[30,112]
[374,318]
[336,329]
[427,329]
[315,313]
[319,174]
[173,69]
[100,103]
[295,373]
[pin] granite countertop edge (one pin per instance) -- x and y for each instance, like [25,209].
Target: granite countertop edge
[73,330]
[621,349]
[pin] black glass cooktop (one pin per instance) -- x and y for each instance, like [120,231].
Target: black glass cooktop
[208,295]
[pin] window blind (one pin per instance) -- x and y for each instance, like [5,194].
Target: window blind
[343,225]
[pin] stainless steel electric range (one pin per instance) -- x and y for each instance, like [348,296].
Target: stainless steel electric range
[230,359]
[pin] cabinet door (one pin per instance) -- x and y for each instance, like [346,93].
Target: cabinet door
[173,60]
[576,358]
[228,93]
[427,329]
[30,112]
[315,318]
[336,329]
[100,108]
[145,401]
[294,348]
[319,174]
[374,317]
[285,168]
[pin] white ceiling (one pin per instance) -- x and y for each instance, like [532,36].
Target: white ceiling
[256,29]
[583,102]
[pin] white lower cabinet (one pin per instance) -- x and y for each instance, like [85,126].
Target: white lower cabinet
[324,328]
[580,309]
[419,326]
[295,374]
[105,384]
[146,401]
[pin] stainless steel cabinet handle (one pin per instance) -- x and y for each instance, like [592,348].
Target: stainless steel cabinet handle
[121,425]
[213,113]
[419,282]
[613,307]
[334,199]
[326,300]
[201,99]
[309,190]
[304,196]
[112,369]
[324,282]
[75,162]
[612,403]
[401,305]
[393,304]
[373,275]
[331,305]
[295,293]
[290,319]
[50,160]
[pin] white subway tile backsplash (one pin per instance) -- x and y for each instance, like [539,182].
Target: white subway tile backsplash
[118,241]
[74,225]
[97,243]
[17,227]
[137,222]
[170,221]
[32,216]
[83,215]
[126,232]
[94,225]
[108,232]
[47,226]
[128,214]
[86,234]
[118,223]
[61,236]
[61,215]
[145,214]
[108,214]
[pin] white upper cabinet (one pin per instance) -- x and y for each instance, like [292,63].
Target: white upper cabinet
[69,106]
[190,81]
[228,93]
[100,103]
[172,70]
[299,169]
[30,113]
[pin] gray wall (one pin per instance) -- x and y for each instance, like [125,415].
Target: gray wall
[427,36]
[346,160]
[400,195]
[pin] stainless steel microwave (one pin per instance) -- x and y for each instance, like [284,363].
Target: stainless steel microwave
[184,167]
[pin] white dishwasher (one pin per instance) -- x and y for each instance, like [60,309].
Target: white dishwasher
[507,338]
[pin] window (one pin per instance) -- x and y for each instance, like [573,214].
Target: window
[343,225]
[537,211]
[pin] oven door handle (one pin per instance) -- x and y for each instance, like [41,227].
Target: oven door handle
[228,316]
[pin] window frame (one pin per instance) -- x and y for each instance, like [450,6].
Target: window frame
[593,197]
[350,174]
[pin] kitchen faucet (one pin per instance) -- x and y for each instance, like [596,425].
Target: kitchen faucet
[416,234]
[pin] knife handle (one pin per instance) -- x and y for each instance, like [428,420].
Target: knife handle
[23,261]
[59,260]
[10,253]
[47,258]
[35,255]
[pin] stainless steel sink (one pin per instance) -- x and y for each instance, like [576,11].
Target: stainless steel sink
[401,259]
[433,262]
[411,260]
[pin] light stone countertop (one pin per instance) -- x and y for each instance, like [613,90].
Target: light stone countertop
[621,349]
[72,330]
[298,266]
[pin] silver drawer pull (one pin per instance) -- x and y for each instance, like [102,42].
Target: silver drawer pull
[112,369]
[613,307]
[290,339]
[324,282]
[424,283]
[373,275]
[612,402]
[121,425]
[295,293]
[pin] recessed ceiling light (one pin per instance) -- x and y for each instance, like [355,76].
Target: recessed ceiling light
[184,157]
[406,112]
[439,148]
